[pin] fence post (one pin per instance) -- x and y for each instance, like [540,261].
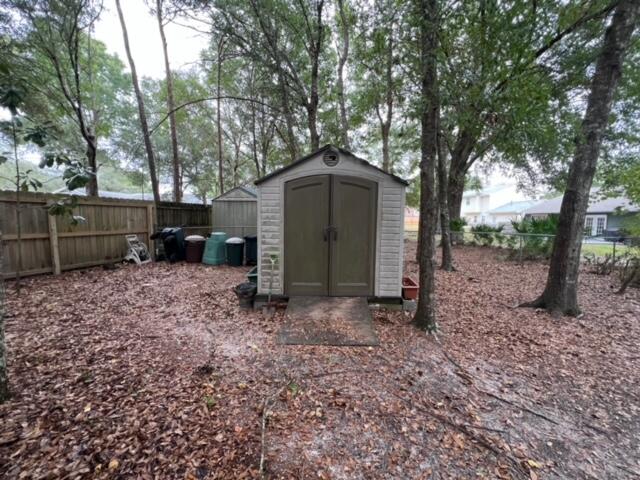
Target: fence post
[150,231]
[52,221]
[520,237]
[614,252]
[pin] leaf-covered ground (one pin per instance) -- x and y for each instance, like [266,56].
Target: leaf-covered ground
[153,372]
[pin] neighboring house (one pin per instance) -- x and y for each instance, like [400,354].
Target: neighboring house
[477,205]
[510,212]
[602,213]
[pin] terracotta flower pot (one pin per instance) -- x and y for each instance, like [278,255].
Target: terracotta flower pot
[409,288]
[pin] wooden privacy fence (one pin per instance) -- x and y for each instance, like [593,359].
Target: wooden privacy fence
[192,217]
[53,244]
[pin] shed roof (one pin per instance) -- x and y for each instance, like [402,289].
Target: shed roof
[597,204]
[298,162]
[248,190]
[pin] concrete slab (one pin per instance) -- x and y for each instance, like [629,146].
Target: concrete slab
[338,321]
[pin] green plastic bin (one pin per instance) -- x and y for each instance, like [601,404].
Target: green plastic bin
[214,250]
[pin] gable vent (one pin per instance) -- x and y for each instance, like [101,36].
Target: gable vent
[330,158]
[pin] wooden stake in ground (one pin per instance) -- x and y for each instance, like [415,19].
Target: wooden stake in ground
[425,317]
[560,295]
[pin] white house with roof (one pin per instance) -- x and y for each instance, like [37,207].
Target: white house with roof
[478,205]
[510,212]
[602,213]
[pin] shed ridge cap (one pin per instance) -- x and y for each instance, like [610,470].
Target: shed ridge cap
[322,149]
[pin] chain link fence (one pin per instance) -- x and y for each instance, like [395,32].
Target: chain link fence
[532,246]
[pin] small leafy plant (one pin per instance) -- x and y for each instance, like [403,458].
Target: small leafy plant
[486,235]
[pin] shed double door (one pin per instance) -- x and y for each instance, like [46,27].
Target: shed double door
[329,236]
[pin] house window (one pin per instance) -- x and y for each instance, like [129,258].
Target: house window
[600,225]
[588,226]
[468,201]
[475,219]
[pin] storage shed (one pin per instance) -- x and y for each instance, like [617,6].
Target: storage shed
[235,212]
[334,224]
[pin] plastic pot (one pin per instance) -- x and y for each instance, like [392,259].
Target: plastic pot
[245,292]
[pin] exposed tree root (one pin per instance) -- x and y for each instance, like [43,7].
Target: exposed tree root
[467,430]
[469,379]
[554,310]
[537,303]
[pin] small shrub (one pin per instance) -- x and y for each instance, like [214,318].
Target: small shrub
[457,230]
[602,265]
[457,224]
[486,235]
[629,270]
[540,226]
[537,236]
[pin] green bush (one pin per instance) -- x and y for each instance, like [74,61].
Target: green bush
[486,235]
[538,235]
[457,224]
[540,226]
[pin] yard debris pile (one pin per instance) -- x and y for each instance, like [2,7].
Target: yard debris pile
[154,371]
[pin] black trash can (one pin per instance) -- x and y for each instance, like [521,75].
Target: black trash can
[251,249]
[235,251]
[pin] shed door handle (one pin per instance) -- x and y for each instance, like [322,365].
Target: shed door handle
[327,231]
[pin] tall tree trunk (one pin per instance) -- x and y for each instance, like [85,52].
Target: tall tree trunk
[219,118]
[445,238]
[92,151]
[141,111]
[314,96]
[312,104]
[460,164]
[560,295]
[312,114]
[254,143]
[177,176]
[343,54]
[455,191]
[425,316]
[4,377]
[291,141]
[386,157]
[385,123]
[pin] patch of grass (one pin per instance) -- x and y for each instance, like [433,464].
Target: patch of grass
[600,250]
